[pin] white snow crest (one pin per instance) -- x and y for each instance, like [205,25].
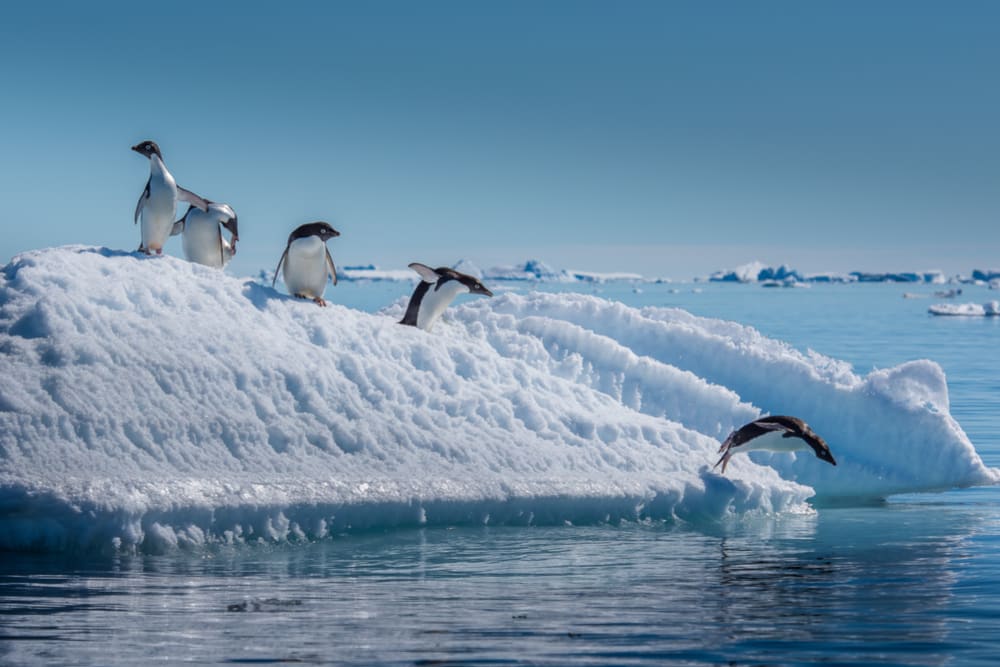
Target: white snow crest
[154,404]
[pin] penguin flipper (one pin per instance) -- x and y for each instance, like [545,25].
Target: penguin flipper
[222,248]
[427,274]
[330,266]
[179,225]
[772,426]
[278,268]
[192,198]
[142,202]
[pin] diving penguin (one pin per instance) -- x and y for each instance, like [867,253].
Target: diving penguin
[202,234]
[158,201]
[427,302]
[776,433]
[307,262]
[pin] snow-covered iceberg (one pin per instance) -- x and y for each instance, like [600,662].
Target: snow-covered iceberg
[988,309]
[149,403]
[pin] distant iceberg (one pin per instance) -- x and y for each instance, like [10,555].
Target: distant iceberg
[372,273]
[151,404]
[754,272]
[988,309]
[932,277]
[745,273]
[986,275]
[533,270]
[537,271]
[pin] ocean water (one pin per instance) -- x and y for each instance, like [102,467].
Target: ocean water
[911,581]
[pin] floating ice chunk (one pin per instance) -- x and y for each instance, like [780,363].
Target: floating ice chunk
[153,404]
[988,309]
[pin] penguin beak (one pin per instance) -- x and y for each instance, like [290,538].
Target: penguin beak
[484,292]
[137,148]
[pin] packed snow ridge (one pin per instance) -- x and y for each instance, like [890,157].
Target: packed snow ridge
[151,404]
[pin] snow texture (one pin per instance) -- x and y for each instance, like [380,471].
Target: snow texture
[152,404]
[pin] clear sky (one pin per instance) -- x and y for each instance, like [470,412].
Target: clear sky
[668,138]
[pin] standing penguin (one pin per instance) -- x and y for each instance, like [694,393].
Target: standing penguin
[307,262]
[158,201]
[427,303]
[202,234]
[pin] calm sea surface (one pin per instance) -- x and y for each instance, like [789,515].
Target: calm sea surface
[914,581]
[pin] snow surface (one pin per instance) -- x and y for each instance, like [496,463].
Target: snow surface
[151,404]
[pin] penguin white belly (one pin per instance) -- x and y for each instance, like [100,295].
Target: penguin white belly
[158,213]
[436,300]
[774,441]
[305,271]
[201,240]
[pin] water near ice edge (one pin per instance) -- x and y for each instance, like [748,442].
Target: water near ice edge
[152,404]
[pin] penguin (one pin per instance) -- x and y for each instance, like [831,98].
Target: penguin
[427,303]
[202,234]
[307,262]
[777,433]
[158,201]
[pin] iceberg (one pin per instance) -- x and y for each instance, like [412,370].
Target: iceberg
[370,272]
[988,309]
[986,275]
[532,270]
[784,274]
[606,277]
[745,273]
[150,404]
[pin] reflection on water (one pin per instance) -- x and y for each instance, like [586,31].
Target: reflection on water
[898,584]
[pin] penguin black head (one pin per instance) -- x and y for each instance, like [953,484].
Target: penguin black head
[321,229]
[821,449]
[148,148]
[475,287]
[444,274]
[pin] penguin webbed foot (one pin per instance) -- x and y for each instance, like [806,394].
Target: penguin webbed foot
[724,461]
[318,300]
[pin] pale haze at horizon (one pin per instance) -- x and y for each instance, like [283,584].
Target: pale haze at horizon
[669,139]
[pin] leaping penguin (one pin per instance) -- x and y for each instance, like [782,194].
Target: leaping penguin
[202,234]
[777,433]
[307,262]
[158,201]
[427,304]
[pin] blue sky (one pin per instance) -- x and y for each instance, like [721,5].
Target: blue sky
[669,138]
